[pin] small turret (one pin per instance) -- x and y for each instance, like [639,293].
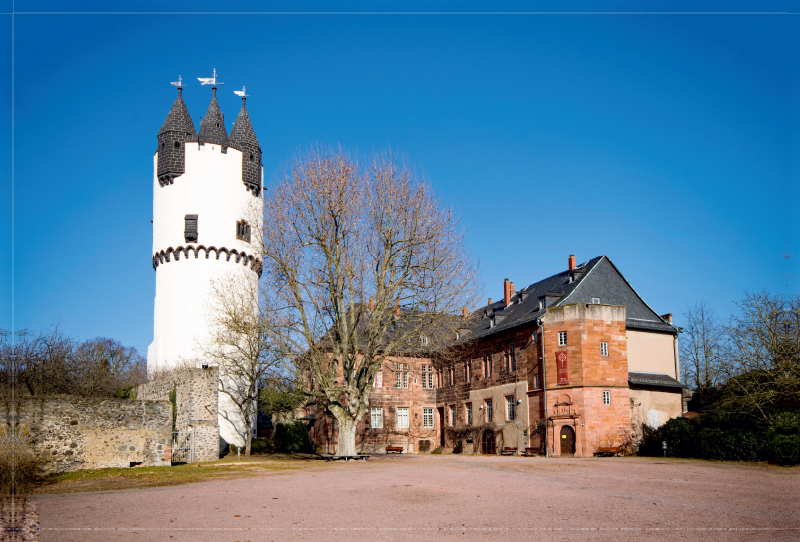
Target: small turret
[177,129]
[212,127]
[243,138]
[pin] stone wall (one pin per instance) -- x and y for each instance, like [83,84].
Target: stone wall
[73,433]
[197,402]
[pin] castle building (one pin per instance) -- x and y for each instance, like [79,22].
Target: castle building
[565,366]
[206,199]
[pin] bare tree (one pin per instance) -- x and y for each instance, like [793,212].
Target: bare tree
[240,346]
[701,347]
[762,360]
[360,265]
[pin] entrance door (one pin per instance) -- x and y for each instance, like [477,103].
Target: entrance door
[567,440]
[441,426]
[487,443]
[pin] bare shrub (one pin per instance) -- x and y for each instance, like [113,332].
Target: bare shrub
[18,463]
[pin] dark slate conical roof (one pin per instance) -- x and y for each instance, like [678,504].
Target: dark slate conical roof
[242,131]
[212,127]
[178,119]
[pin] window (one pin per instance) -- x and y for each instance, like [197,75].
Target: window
[603,349]
[252,157]
[595,301]
[536,382]
[378,382]
[401,375]
[467,372]
[402,418]
[468,408]
[427,418]
[562,338]
[243,230]
[452,371]
[423,341]
[376,418]
[510,359]
[190,228]
[177,144]
[542,304]
[427,377]
[487,365]
[488,411]
[452,415]
[606,397]
[509,408]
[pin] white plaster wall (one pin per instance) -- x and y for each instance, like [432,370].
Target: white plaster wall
[651,353]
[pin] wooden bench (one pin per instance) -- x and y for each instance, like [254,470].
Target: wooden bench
[394,449]
[508,451]
[362,457]
[531,451]
[608,451]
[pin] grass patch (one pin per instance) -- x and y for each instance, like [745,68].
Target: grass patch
[139,477]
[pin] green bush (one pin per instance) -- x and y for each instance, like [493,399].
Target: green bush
[259,446]
[291,438]
[711,437]
[786,450]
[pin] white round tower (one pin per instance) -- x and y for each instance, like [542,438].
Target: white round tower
[207,207]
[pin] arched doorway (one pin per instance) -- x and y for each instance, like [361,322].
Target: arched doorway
[567,440]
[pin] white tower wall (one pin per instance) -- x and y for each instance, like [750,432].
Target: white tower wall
[212,189]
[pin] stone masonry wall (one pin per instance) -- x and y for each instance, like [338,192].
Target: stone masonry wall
[73,433]
[197,402]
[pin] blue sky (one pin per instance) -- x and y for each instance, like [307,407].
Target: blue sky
[667,142]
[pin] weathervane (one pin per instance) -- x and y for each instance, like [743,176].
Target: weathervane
[241,93]
[210,80]
[178,83]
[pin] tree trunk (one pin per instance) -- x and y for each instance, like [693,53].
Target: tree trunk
[248,439]
[346,445]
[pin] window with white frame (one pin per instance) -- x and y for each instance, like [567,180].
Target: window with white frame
[468,409]
[595,301]
[405,376]
[402,418]
[488,408]
[536,382]
[603,349]
[423,341]
[606,397]
[427,377]
[509,408]
[376,418]
[452,409]
[427,418]
[562,338]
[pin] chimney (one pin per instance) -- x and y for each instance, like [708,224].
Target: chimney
[506,292]
[371,304]
[512,289]
[490,301]
[464,313]
[397,309]
[667,317]
[571,262]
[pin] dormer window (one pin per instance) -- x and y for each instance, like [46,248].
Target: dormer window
[423,341]
[542,304]
[595,301]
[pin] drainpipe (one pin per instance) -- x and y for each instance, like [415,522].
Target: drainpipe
[675,354]
[544,389]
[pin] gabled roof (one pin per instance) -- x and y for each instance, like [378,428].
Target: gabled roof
[212,127]
[242,131]
[178,118]
[597,278]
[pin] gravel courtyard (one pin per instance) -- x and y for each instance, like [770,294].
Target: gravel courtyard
[449,497]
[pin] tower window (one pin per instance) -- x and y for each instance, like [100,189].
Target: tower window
[562,338]
[177,145]
[243,230]
[252,156]
[190,228]
[217,125]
